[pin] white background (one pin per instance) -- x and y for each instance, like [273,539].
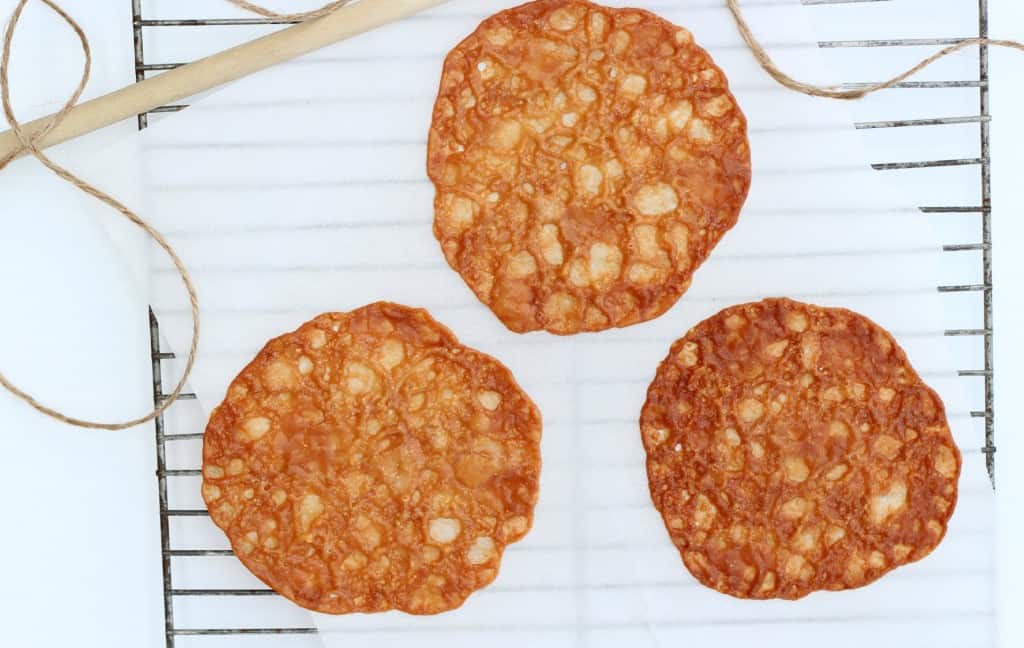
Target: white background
[80,540]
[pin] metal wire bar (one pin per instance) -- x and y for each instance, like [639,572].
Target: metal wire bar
[161,467]
[935,121]
[926,164]
[986,238]
[245,631]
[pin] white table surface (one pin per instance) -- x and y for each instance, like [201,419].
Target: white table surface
[80,544]
[80,540]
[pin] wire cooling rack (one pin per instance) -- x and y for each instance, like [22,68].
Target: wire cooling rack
[165,439]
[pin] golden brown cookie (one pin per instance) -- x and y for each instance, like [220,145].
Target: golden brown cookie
[586,162]
[368,462]
[792,448]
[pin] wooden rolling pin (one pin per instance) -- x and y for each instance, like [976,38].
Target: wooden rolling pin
[221,68]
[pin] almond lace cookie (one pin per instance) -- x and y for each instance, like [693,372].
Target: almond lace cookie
[586,161]
[368,461]
[792,448]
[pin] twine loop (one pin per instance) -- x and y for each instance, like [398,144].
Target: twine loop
[28,143]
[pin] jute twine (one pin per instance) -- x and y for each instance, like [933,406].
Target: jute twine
[776,73]
[28,143]
[303,15]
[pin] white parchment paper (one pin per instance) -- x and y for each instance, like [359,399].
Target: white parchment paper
[303,189]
